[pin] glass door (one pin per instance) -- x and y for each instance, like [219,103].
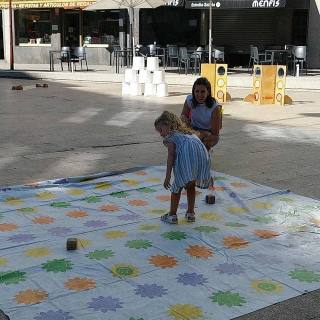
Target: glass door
[71,28]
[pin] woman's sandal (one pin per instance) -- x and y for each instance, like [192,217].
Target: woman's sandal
[190,217]
[169,218]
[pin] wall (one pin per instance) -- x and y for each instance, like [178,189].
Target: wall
[313,48]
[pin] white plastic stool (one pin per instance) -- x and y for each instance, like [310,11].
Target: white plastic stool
[130,75]
[150,89]
[152,63]
[145,76]
[158,77]
[125,88]
[138,63]
[162,90]
[135,89]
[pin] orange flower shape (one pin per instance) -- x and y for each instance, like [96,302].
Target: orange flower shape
[163,197]
[80,284]
[239,185]
[8,226]
[77,213]
[217,188]
[31,296]
[235,242]
[265,234]
[138,202]
[43,220]
[141,173]
[163,261]
[109,208]
[197,192]
[199,251]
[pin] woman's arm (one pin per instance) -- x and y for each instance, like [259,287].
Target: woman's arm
[170,162]
[185,114]
[212,139]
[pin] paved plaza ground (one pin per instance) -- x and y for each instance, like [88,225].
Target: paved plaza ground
[79,127]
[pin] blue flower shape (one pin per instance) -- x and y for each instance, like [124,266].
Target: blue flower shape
[128,217]
[54,315]
[191,279]
[229,268]
[22,237]
[105,304]
[60,231]
[95,223]
[150,290]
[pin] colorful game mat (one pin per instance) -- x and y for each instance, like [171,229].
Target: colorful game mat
[256,246]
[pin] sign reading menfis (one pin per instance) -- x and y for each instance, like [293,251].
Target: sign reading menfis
[225,4]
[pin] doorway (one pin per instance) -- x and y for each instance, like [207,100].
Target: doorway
[1,37]
[71,28]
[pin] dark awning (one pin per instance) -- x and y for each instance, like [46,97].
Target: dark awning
[234,4]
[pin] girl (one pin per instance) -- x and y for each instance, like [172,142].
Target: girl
[188,158]
[203,113]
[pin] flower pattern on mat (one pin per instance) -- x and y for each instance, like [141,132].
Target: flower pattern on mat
[115,234]
[22,237]
[60,204]
[206,229]
[76,191]
[265,234]
[198,251]
[229,268]
[3,261]
[12,201]
[304,275]
[174,235]
[30,296]
[77,213]
[237,210]
[150,290]
[105,304]
[7,227]
[156,211]
[235,224]
[80,284]
[185,311]
[262,205]
[140,173]
[191,279]
[43,220]
[163,197]
[100,254]
[235,242]
[123,270]
[139,244]
[28,210]
[95,224]
[210,216]
[138,202]
[228,298]
[265,219]
[54,315]
[119,194]
[266,286]
[239,185]
[129,217]
[130,182]
[12,277]
[38,252]
[109,208]
[146,190]
[57,265]
[149,227]
[163,261]
[92,199]
[46,195]
[103,185]
[60,231]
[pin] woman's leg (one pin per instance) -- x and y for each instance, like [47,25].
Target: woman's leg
[175,199]
[191,196]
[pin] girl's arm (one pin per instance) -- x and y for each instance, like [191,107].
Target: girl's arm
[185,114]
[212,139]
[170,162]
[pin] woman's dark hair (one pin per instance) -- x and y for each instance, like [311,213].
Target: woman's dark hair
[203,82]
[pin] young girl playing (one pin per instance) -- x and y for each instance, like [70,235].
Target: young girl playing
[188,158]
[203,113]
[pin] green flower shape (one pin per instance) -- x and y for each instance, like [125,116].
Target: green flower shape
[146,190]
[220,178]
[100,254]
[304,275]
[286,199]
[174,235]
[139,244]
[92,199]
[228,298]
[27,210]
[57,265]
[265,220]
[235,224]
[149,227]
[206,229]
[119,194]
[12,277]
[60,204]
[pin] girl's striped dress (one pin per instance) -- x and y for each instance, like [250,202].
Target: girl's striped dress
[192,161]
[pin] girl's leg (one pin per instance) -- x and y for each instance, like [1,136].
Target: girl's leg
[191,196]
[175,199]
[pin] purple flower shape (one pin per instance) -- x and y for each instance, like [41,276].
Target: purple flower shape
[127,217]
[229,268]
[54,315]
[22,237]
[192,279]
[59,231]
[95,223]
[183,206]
[105,304]
[150,290]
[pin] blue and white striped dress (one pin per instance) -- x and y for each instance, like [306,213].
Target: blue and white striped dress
[192,161]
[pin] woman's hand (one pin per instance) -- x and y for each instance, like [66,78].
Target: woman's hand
[166,183]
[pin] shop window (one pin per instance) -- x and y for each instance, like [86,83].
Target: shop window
[101,27]
[33,26]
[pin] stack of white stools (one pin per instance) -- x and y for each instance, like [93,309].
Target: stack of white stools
[150,80]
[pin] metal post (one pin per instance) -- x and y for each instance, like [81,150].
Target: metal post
[11,57]
[210,31]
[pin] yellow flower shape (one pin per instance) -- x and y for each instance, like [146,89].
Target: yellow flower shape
[141,173]
[297,228]
[155,180]
[210,216]
[31,296]
[75,191]
[239,184]
[185,311]
[80,284]
[103,185]
[130,182]
[37,252]
[122,270]
[266,286]
[115,234]
[157,211]
[149,227]
[46,195]
[237,210]
[13,201]
[262,205]
[83,243]
[3,261]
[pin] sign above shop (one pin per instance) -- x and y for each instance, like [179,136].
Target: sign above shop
[25,4]
[175,3]
[235,4]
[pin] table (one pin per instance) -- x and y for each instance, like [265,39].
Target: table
[282,54]
[51,56]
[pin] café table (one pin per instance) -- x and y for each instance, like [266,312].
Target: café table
[51,58]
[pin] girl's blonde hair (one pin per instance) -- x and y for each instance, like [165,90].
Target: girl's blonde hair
[173,121]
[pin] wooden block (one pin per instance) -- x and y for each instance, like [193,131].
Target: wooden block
[72,243]
[210,199]
[45,85]
[38,85]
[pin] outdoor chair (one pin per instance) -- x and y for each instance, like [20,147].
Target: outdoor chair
[79,55]
[172,55]
[183,60]
[258,58]
[299,57]
[65,56]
